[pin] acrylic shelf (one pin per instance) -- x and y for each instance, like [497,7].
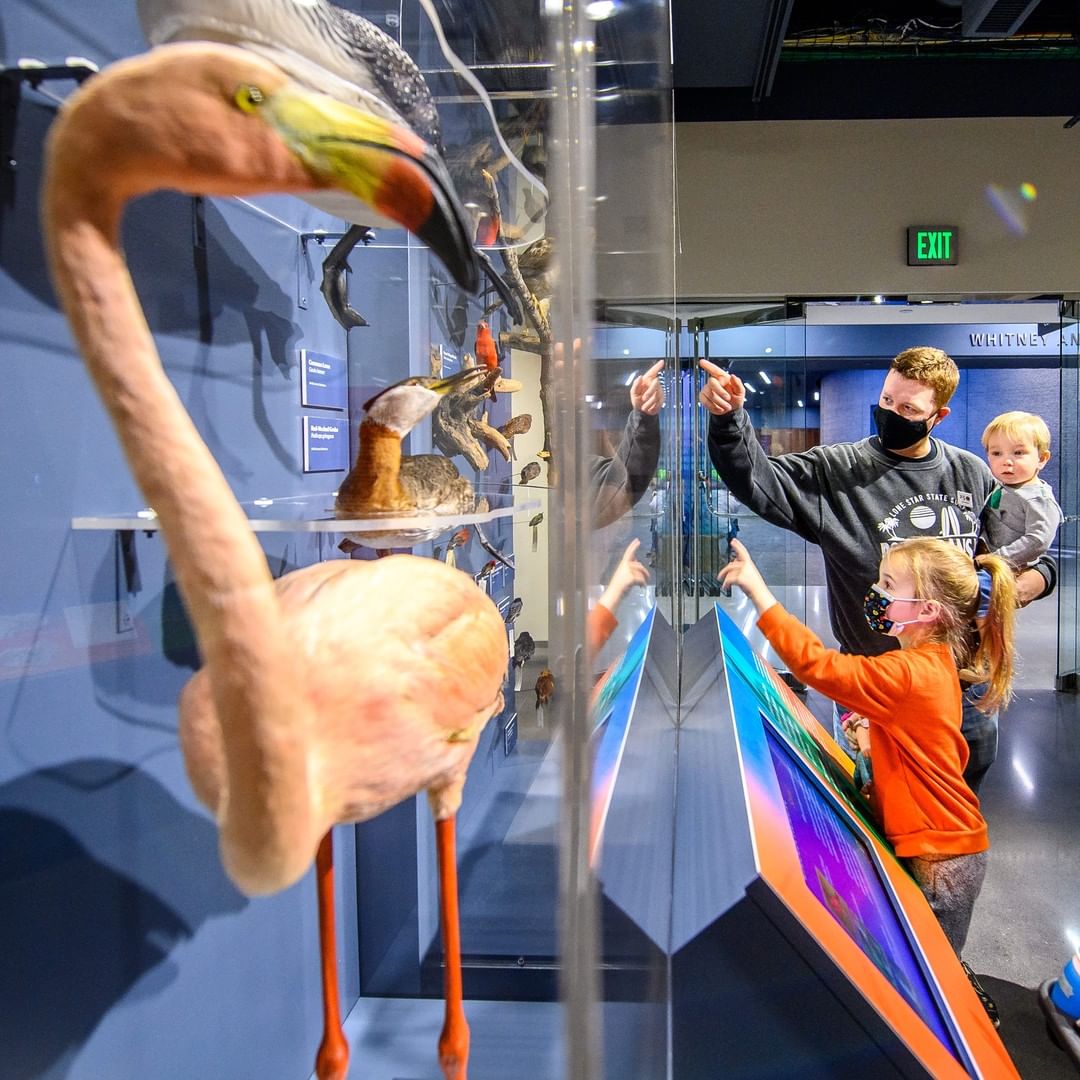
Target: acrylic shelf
[314,514]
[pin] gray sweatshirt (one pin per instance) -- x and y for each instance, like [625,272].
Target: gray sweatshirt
[1021,522]
[854,500]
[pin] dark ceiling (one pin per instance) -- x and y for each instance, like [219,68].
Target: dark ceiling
[831,59]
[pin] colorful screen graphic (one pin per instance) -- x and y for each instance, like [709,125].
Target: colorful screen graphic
[840,871]
[612,710]
[791,718]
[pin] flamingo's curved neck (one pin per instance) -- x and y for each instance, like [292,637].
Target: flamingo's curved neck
[220,568]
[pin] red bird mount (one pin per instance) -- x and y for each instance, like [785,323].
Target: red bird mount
[487,353]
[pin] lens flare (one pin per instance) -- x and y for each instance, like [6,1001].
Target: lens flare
[1028,192]
[1008,206]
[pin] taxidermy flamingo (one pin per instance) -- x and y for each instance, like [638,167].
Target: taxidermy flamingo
[339,53]
[279,750]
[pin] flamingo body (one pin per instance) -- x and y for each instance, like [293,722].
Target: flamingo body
[383,641]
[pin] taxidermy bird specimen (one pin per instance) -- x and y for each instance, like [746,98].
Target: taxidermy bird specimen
[534,524]
[457,429]
[513,610]
[486,571]
[545,688]
[336,691]
[384,482]
[536,265]
[459,539]
[487,355]
[530,472]
[516,425]
[326,48]
[524,648]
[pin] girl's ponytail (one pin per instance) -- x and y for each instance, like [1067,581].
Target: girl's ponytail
[994,651]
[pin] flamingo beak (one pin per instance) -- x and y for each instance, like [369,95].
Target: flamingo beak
[384,164]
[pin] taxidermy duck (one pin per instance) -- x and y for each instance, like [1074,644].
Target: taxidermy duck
[383,482]
[336,691]
[326,48]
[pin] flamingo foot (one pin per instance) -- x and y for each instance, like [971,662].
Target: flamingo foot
[454,1048]
[332,1060]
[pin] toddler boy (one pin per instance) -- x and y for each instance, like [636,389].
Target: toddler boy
[1022,516]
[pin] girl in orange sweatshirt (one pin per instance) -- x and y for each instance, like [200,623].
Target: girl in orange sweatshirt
[946,614]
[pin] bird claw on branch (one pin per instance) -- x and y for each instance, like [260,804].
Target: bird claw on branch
[492,436]
[451,423]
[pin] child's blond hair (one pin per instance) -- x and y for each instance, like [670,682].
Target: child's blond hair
[1023,425]
[943,572]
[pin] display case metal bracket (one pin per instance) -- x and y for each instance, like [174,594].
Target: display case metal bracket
[307,273]
[33,73]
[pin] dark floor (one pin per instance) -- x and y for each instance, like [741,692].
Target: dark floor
[1027,919]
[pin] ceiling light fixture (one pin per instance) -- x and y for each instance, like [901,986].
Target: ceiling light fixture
[600,9]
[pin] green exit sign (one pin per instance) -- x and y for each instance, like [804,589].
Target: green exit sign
[933,245]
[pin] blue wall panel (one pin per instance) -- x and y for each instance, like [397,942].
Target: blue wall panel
[126,952]
[848,396]
[987,393]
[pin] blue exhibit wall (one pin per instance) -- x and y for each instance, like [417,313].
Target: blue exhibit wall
[983,393]
[126,952]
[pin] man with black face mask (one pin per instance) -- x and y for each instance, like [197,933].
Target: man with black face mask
[856,499]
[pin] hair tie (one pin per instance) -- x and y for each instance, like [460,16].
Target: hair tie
[985,586]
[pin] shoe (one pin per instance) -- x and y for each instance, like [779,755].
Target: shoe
[988,1002]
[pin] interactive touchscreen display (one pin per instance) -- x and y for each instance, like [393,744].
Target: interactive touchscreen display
[840,871]
[791,719]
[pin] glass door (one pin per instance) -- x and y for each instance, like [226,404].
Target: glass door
[1068,450]
[812,373]
[764,344]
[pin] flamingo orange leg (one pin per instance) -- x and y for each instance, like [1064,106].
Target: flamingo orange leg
[454,1039]
[332,1060]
